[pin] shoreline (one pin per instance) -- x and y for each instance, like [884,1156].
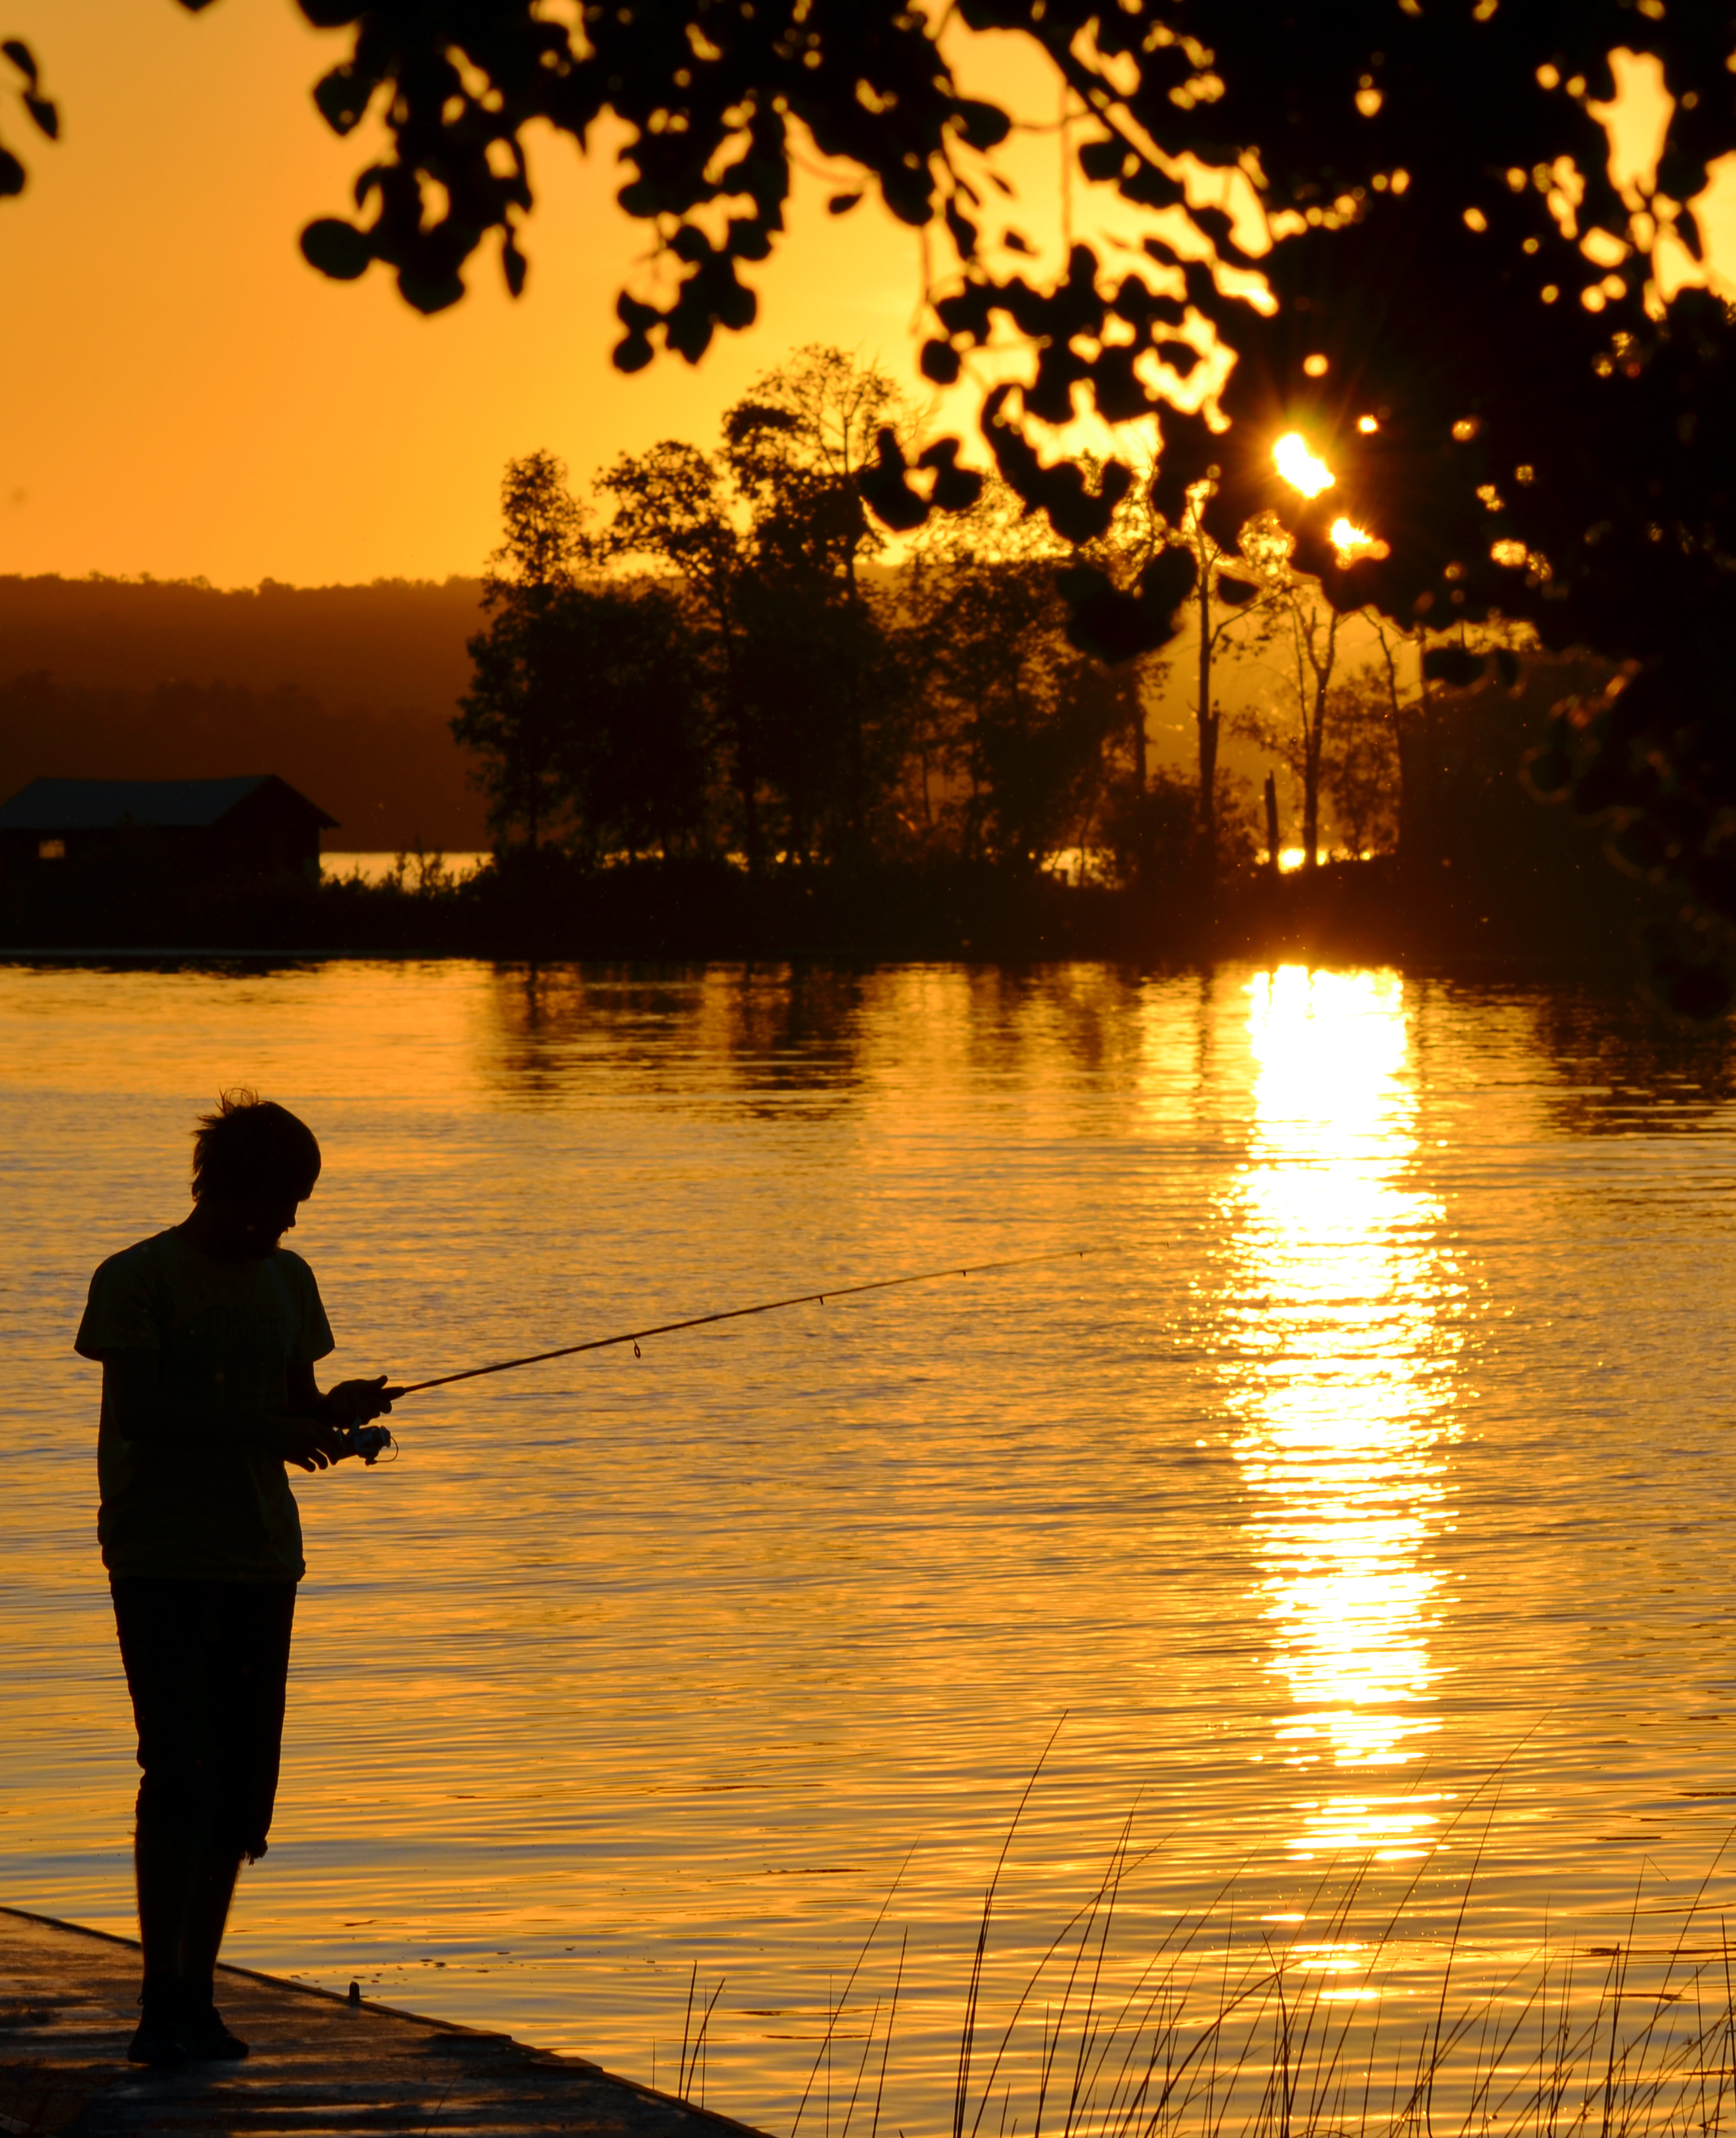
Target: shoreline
[1576,919]
[1484,967]
[319,2061]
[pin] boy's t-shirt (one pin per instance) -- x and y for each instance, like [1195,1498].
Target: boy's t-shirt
[226,1334]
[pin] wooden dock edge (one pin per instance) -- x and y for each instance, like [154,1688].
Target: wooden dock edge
[320,2063]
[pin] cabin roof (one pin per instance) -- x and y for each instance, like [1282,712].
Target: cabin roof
[104,805]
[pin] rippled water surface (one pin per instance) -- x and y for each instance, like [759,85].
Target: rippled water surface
[1365,1501]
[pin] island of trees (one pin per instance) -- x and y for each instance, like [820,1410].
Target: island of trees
[716,707]
[1399,237]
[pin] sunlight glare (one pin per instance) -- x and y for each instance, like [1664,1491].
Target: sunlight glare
[1353,543]
[1339,1386]
[1301,469]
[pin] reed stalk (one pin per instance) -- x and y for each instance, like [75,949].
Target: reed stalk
[1384,2013]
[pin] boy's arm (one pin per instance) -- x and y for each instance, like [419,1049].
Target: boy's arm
[133,1387]
[350,1402]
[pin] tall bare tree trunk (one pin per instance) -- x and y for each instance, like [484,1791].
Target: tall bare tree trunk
[1414,745]
[1318,661]
[1137,737]
[1207,720]
[1311,775]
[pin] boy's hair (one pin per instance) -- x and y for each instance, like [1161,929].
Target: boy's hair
[252,1146]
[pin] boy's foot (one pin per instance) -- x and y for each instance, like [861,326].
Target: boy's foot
[204,2037]
[157,2043]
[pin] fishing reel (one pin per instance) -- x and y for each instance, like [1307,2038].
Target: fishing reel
[369,1442]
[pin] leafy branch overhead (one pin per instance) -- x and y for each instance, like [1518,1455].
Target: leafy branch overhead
[21,63]
[1445,328]
[1446,173]
[712,94]
[1392,228]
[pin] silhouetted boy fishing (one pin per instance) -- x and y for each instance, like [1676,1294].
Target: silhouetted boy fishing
[208,1333]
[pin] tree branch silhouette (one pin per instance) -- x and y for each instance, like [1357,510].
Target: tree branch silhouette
[1437,274]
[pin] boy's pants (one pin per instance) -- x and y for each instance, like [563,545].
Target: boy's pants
[206,1664]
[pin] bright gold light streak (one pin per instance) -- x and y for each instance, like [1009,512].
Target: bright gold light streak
[1352,542]
[1300,468]
[1342,1391]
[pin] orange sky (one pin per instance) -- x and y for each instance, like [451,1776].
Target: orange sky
[180,394]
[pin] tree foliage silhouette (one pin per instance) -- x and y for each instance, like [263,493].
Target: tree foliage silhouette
[515,715]
[27,80]
[1043,746]
[632,758]
[720,663]
[1363,773]
[1460,312]
[769,538]
[1227,608]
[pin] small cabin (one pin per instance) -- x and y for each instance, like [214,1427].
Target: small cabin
[179,828]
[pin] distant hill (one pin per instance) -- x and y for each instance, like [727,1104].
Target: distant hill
[345,692]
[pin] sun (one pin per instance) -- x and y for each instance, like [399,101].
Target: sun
[1301,469]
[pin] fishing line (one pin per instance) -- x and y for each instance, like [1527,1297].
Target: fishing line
[764,1306]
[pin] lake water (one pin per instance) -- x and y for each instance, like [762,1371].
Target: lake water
[1365,1501]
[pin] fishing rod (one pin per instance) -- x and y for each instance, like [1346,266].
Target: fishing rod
[737,1313]
[370,1441]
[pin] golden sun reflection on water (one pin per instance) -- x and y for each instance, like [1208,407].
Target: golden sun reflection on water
[1339,1389]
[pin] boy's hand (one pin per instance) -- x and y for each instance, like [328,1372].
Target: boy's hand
[310,1443]
[356,1403]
